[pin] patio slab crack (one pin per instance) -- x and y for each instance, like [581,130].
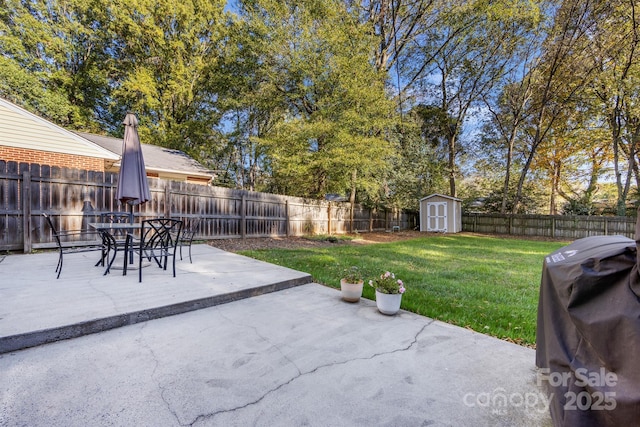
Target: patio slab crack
[107,295]
[156,363]
[205,417]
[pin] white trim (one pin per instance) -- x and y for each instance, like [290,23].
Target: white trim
[174,172]
[455,224]
[441,195]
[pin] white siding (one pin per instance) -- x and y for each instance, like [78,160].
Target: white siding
[22,129]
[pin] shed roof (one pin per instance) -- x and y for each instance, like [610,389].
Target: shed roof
[20,128]
[441,195]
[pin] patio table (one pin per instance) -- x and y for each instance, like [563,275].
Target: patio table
[110,232]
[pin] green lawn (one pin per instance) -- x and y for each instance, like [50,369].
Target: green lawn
[486,284]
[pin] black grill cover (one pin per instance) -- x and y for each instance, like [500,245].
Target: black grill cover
[588,336]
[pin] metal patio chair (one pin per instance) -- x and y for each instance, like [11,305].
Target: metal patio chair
[117,217]
[188,233]
[77,241]
[120,236]
[158,241]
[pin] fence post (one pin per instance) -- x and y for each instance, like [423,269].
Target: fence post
[26,211]
[553,227]
[243,216]
[370,220]
[286,214]
[329,218]
[606,226]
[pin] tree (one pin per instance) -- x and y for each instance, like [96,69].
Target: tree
[418,168]
[395,24]
[167,54]
[330,136]
[249,99]
[55,60]
[615,52]
[83,64]
[474,48]
[562,73]
[508,108]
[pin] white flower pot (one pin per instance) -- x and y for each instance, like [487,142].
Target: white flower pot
[351,292]
[388,303]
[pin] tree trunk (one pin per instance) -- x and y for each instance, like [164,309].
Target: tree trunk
[507,175]
[615,130]
[452,165]
[555,183]
[352,198]
[537,139]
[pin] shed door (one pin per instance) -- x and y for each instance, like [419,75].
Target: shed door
[437,216]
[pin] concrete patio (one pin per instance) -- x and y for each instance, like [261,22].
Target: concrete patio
[233,341]
[36,308]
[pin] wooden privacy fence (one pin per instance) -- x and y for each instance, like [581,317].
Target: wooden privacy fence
[568,227]
[74,198]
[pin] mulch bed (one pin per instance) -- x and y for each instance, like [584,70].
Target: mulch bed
[236,245]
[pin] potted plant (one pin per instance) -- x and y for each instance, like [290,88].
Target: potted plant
[389,292]
[351,284]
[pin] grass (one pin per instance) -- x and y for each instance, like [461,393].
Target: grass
[486,284]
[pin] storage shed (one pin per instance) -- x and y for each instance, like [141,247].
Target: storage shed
[442,214]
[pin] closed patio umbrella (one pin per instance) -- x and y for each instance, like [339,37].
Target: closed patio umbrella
[133,187]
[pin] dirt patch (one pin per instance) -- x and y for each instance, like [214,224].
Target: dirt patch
[236,245]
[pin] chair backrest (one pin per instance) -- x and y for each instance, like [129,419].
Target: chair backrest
[75,240]
[161,233]
[117,218]
[191,228]
[56,235]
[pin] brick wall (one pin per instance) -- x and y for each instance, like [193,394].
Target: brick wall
[12,154]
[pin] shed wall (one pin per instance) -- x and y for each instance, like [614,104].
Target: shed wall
[453,213]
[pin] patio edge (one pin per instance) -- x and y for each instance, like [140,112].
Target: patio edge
[36,338]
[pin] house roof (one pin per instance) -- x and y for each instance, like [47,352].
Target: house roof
[156,158]
[441,195]
[21,129]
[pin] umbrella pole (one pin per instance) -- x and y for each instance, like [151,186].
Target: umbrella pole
[132,221]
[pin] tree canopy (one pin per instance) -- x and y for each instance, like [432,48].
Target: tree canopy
[513,105]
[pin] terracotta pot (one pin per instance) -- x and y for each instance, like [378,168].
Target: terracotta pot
[351,292]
